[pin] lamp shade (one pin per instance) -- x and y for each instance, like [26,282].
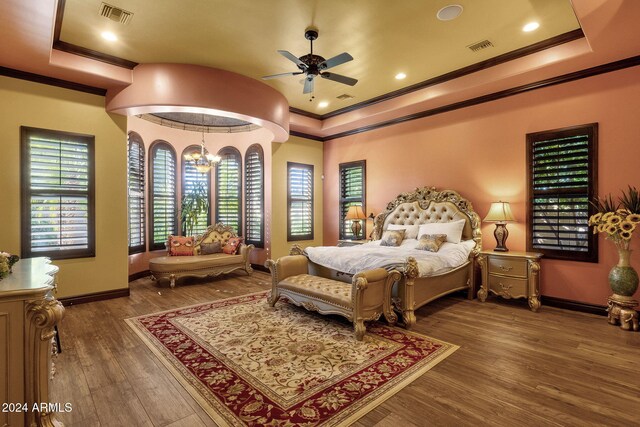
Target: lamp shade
[499,212]
[355,212]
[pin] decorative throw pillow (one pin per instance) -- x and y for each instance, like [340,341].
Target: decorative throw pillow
[410,231]
[180,246]
[232,245]
[392,238]
[431,242]
[452,229]
[214,247]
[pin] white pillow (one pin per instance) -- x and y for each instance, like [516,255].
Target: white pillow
[410,231]
[453,229]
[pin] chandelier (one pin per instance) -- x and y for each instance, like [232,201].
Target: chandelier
[202,160]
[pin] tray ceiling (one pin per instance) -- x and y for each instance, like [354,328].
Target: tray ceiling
[384,38]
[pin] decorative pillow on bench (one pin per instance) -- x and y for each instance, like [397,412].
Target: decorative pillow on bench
[210,248]
[180,246]
[232,245]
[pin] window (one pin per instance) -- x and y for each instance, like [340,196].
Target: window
[352,193]
[163,215]
[135,187]
[193,181]
[254,196]
[562,180]
[58,206]
[299,201]
[228,189]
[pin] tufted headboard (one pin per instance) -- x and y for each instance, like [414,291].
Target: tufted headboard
[426,205]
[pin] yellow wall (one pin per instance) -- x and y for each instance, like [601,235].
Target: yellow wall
[24,103]
[297,150]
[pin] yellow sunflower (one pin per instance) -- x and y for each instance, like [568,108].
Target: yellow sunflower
[612,229]
[627,225]
[623,211]
[606,216]
[601,227]
[626,235]
[634,217]
[596,217]
[614,220]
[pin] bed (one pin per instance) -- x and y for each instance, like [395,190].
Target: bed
[419,283]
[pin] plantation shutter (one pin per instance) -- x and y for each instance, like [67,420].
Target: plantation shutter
[135,185]
[254,196]
[58,202]
[163,195]
[191,178]
[300,201]
[352,193]
[561,173]
[228,185]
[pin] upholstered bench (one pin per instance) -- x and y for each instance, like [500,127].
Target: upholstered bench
[203,265]
[366,298]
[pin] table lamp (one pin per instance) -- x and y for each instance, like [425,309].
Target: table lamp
[500,213]
[355,214]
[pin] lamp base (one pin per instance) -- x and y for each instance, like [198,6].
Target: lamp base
[501,233]
[355,228]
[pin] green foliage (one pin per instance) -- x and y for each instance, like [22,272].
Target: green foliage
[193,204]
[631,200]
[605,204]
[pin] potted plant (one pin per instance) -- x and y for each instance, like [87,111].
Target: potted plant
[618,219]
[193,205]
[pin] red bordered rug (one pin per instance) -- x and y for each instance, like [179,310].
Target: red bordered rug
[249,364]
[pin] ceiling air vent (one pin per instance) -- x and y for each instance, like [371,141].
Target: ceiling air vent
[115,13]
[484,44]
[345,96]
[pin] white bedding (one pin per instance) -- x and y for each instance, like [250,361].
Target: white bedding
[353,259]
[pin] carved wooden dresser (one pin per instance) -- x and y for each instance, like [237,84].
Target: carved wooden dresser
[28,314]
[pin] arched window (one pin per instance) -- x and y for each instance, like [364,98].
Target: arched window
[135,192]
[228,189]
[196,182]
[162,179]
[254,196]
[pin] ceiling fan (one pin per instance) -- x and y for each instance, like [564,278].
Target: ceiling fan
[314,65]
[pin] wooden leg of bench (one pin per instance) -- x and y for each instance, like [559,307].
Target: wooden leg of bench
[173,281]
[273,297]
[360,329]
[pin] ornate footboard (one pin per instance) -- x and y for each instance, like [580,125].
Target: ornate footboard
[412,292]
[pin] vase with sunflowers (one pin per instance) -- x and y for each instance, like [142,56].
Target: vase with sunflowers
[618,220]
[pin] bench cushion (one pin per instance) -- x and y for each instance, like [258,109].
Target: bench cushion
[171,263]
[320,288]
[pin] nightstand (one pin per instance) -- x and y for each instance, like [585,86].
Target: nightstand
[511,275]
[346,242]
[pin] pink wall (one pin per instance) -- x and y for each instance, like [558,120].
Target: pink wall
[180,140]
[480,152]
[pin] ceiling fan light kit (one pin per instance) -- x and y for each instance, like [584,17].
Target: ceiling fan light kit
[315,65]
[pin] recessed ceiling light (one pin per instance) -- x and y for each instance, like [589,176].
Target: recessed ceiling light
[531,26]
[323,104]
[450,12]
[400,76]
[108,35]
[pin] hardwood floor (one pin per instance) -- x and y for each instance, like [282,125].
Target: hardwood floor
[514,367]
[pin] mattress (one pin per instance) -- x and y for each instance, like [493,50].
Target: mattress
[353,259]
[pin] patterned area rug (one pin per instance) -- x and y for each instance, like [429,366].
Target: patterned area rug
[249,364]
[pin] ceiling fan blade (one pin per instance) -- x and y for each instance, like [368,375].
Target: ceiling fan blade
[291,57]
[308,84]
[336,60]
[275,76]
[339,78]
